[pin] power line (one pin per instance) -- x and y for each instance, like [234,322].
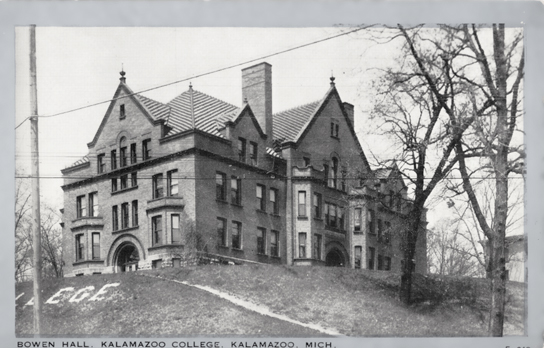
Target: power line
[146,177]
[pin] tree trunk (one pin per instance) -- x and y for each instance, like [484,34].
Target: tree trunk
[408,267]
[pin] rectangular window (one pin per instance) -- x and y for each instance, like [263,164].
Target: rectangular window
[261,197]
[172,182]
[380,262]
[96,246]
[134,213]
[332,216]
[80,247]
[156,264]
[81,206]
[222,231]
[261,240]
[101,163]
[302,203]
[274,201]
[123,156]
[327,216]
[357,219]
[326,173]
[156,229]
[317,246]
[113,159]
[133,156]
[124,215]
[134,179]
[302,245]
[235,190]
[358,256]
[371,256]
[380,229]
[114,218]
[158,189]
[317,205]
[122,114]
[176,230]
[93,204]
[387,265]
[274,243]
[253,153]
[387,232]
[113,184]
[236,235]
[146,149]
[340,211]
[371,218]
[241,149]
[124,181]
[221,186]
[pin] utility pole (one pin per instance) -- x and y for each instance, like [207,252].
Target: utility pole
[35,159]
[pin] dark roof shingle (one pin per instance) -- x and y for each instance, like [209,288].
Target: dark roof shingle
[288,124]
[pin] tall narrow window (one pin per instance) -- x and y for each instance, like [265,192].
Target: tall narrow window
[220,186]
[261,199]
[332,215]
[134,213]
[302,203]
[101,163]
[357,219]
[371,218]
[274,201]
[387,232]
[235,190]
[156,229]
[326,172]
[96,246]
[133,155]
[134,179]
[241,149]
[114,218]
[253,153]
[327,214]
[172,182]
[113,184]
[122,114]
[302,245]
[387,266]
[124,215]
[261,240]
[146,149]
[222,231]
[358,256]
[81,206]
[340,211]
[371,256]
[334,173]
[113,159]
[380,262]
[274,243]
[158,189]
[317,246]
[80,247]
[380,229]
[124,181]
[123,155]
[317,205]
[93,204]
[236,235]
[176,231]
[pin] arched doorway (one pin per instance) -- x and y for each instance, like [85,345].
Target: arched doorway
[127,258]
[335,258]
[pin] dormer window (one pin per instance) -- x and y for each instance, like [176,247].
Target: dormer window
[122,114]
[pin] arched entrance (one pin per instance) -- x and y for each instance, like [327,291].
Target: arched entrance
[127,258]
[335,258]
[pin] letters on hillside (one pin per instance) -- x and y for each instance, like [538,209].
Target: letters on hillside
[75,296]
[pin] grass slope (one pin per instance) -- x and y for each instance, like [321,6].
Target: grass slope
[354,302]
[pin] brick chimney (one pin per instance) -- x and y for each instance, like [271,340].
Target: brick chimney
[257,90]
[349,110]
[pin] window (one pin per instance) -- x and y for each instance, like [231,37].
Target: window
[261,197]
[236,235]
[113,184]
[274,243]
[334,128]
[222,231]
[274,201]
[306,161]
[261,240]
[253,153]
[357,219]
[122,114]
[387,232]
[380,229]
[158,190]
[133,156]
[123,152]
[302,245]
[235,190]
[101,164]
[124,215]
[387,265]
[333,177]
[96,246]
[330,215]
[302,203]
[241,149]
[340,212]
[124,181]
[156,230]
[146,149]
[80,247]
[176,231]
[81,206]
[317,205]
[371,252]
[317,247]
[156,264]
[221,186]
[114,218]
[113,159]
[134,179]
[326,172]
[134,213]
[371,218]
[380,262]
[358,256]
[93,204]
[172,182]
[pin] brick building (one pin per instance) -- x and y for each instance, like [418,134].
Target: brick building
[238,183]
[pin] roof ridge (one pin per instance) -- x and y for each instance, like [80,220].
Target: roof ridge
[297,107]
[204,94]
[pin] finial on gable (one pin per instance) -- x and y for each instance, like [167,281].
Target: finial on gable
[122,73]
[332,79]
[190,86]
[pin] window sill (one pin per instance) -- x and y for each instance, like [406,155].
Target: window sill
[261,211]
[125,229]
[237,250]
[165,246]
[82,262]
[221,201]
[124,190]
[357,232]
[224,247]
[275,257]
[302,218]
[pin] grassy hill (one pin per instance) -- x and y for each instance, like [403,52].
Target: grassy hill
[353,302]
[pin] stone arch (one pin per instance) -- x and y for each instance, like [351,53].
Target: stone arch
[122,134]
[336,255]
[117,245]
